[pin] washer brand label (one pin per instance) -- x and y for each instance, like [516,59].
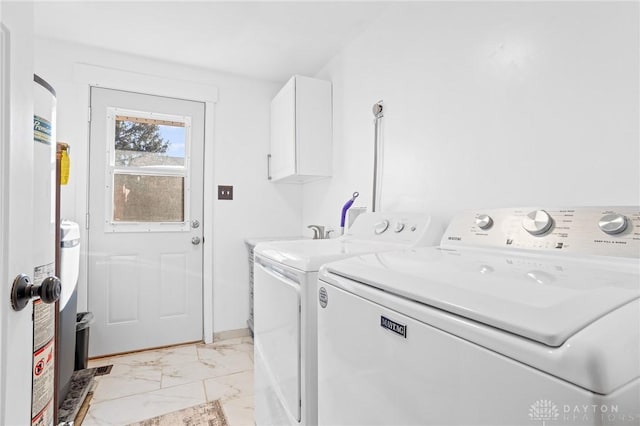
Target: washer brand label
[323,297]
[454,238]
[391,325]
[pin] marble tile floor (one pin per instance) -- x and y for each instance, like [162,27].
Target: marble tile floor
[150,383]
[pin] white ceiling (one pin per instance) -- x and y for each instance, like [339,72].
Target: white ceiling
[266,40]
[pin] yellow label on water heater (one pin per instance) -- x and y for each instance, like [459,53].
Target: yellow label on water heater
[64,168]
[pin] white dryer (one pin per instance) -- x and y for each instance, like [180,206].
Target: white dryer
[285,290]
[520,317]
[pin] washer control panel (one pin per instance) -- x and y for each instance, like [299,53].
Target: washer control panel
[604,231]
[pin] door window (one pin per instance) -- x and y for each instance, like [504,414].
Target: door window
[147,184]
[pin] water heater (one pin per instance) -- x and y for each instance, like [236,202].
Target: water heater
[44,169]
[43,247]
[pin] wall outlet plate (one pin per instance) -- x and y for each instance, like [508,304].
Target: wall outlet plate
[225,192]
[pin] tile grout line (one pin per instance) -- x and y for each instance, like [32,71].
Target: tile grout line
[204,387]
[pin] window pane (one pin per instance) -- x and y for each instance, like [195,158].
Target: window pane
[143,198]
[141,142]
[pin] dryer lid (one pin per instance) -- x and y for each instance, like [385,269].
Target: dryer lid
[545,299]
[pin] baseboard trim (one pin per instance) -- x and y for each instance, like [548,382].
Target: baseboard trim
[231,334]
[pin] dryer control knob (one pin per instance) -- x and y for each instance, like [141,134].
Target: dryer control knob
[380,227]
[613,223]
[537,222]
[484,221]
[399,227]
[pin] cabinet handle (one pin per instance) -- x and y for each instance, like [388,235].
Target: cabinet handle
[269,166]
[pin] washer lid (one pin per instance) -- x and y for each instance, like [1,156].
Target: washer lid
[545,299]
[309,255]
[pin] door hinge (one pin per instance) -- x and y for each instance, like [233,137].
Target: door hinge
[86,221]
[89,119]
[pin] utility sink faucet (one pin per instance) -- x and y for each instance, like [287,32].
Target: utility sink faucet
[319,233]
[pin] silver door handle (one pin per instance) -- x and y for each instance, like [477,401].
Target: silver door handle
[195,241]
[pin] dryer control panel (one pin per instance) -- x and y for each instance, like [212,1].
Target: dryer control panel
[416,229]
[602,231]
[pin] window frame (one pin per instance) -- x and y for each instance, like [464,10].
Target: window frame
[111,170]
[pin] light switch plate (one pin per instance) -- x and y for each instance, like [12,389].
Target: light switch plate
[225,192]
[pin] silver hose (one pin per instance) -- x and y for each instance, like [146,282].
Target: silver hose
[377,150]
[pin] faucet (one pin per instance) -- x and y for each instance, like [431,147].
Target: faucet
[318,231]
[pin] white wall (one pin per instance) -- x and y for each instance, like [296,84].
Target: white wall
[488,105]
[241,131]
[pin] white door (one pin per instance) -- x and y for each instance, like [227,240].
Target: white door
[16,221]
[15,251]
[283,132]
[145,221]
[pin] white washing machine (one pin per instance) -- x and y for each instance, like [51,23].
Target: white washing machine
[285,289]
[520,317]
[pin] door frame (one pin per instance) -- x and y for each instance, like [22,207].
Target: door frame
[5,140]
[87,76]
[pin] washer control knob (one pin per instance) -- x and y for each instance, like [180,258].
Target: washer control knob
[537,222]
[484,221]
[380,227]
[399,227]
[613,223]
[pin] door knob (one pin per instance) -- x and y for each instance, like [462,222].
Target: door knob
[23,290]
[195,241]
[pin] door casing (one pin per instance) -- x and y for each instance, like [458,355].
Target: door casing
[87,76]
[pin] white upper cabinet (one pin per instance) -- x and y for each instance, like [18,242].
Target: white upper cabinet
[300,149]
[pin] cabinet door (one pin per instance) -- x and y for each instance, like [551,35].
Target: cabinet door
[283,132]
[313,131]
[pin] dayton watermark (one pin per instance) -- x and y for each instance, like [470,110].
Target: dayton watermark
[546,411]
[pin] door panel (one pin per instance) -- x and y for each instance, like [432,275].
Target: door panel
[123,289]
[144,273]
[173,287]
